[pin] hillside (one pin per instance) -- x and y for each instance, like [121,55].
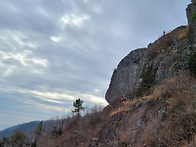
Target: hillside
[27,128]
[151,96]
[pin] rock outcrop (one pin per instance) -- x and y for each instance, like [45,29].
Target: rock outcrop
[191,8]
[163,59]
[166,120]
[152,99]
[190,11]
[127,75]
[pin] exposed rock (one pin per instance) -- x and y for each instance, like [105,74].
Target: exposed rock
[142,68]
[172,60]
[126,128]
[155,122]
[164,115]
[163,59]
[191,8]
[125,78]
[192,33]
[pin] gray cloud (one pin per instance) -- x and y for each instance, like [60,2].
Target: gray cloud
[52,52]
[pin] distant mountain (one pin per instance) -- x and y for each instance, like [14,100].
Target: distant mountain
[27,128]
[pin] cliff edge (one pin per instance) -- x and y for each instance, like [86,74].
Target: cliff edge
[163,59]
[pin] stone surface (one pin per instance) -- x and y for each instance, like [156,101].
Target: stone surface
[145,123]
[192,32]
[127,75]
[167,56]
[191,8]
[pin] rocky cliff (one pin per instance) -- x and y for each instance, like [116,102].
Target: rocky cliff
[152,98]
[154,93]
[126,77]
[163,59]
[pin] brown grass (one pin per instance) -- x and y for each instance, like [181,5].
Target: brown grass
[174,126]
[178,128]
[125,106]
[183,33]
[173,85]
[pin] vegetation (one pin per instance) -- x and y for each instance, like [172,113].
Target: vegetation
[78,106]
[39,129]
[124,144]
[168,117]
[147,82]
[183,33]
[5,141]
[19,139]
[72,131]
[192,64]
[193,17]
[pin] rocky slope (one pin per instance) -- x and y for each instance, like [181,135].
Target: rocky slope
[164,119]
[153,94]
[152,99]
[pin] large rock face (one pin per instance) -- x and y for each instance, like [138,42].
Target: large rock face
[191,9]
[127,74]
[142,68]
[163,59]
[143,124]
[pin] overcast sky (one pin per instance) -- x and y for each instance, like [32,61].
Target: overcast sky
[54,51]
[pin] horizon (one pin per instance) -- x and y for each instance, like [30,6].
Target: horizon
[53,52]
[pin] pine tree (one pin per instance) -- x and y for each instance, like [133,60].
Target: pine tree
[19,139]
[78,106]
[39,129]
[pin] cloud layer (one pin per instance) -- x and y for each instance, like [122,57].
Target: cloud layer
[52,52]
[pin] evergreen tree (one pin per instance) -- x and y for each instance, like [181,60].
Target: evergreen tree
[78,106]
[39,129]
[5,141]
[19,139]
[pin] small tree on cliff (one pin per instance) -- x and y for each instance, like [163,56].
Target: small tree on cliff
[78,106]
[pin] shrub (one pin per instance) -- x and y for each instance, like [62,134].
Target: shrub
[193,17]
[188,122]
[192,64]
[5,141]
[19,139]
[58,132]
[148,80]
[124,144]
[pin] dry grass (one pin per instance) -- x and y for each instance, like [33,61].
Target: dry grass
[130,104]
[178,123]
[177,84]
[183,33]
[125,106]
[165,42]
[77,132]
[175,96]
[46,141]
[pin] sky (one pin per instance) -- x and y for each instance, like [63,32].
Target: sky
[55,51]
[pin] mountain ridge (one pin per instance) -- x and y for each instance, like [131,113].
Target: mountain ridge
[27,128]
